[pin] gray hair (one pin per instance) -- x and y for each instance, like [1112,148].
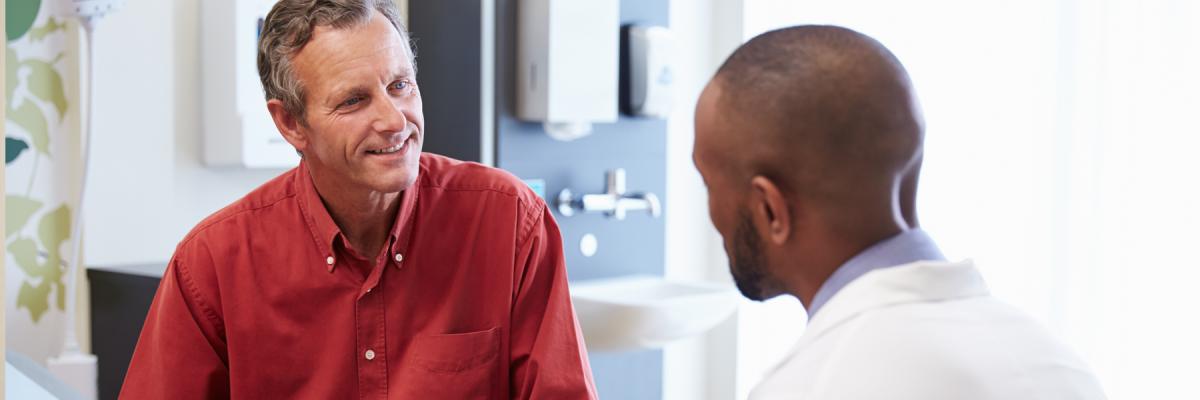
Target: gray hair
[289,26]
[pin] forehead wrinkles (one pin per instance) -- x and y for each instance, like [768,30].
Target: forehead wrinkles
[328,63]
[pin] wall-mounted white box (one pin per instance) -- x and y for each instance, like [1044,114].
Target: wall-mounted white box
[567,60]
[237,129]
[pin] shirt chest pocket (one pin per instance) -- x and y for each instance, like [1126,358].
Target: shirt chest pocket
[452,366]
[456,352]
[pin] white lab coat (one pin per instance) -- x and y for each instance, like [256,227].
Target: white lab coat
[926,331]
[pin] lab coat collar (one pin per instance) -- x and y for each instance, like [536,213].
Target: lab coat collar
[906,247]
[919,282]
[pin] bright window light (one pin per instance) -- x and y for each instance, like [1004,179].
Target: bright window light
[1062,155]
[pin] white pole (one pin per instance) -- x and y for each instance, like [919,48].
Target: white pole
[71,344]
[74,367]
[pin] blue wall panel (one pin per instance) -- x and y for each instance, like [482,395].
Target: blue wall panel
[631,246]
[447,34]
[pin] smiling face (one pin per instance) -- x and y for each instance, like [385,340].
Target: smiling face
[363,125]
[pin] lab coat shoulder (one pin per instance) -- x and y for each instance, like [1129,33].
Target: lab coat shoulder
[953,345]
[922,351]
[890,353]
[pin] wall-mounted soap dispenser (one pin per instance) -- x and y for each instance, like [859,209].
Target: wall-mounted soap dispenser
[567,59]
[238,130]
[651,73]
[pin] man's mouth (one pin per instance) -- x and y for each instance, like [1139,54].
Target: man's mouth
[389,150]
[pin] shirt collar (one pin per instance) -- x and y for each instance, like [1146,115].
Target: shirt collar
[904,248]
[324,230]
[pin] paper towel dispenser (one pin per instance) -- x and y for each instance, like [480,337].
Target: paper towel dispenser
[567,64]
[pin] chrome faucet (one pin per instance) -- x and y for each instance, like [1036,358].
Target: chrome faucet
[613,202]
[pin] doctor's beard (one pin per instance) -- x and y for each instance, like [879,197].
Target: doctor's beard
[746,260]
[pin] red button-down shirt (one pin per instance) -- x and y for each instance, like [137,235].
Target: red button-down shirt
[264,300]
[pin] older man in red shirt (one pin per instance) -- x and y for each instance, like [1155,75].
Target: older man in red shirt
[370,271]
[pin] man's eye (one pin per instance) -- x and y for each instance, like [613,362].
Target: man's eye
[400,85]
[352,101]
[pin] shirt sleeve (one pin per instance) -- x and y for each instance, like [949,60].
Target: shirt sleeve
[548,356]
[180,353]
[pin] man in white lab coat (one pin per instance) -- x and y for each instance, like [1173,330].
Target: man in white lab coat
[809,140]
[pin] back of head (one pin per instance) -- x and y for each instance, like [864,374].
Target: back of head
[825,111]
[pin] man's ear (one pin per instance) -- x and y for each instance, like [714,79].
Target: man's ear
[908,194]
[770,210]
[288,125]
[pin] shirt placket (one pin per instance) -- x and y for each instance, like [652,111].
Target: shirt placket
[371,331]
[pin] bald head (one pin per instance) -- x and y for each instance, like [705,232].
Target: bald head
[809,142]
[826,111]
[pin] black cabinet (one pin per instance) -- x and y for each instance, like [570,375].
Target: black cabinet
[120,300]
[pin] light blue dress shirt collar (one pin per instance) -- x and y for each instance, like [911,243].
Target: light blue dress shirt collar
[904,248]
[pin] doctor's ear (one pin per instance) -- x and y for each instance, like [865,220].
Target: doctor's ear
[769,210]
[288,125]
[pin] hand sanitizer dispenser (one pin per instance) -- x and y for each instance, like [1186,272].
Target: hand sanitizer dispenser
[651,73]
[567,55]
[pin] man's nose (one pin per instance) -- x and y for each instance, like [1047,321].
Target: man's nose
[390,116]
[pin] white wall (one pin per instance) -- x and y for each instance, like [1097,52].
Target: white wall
[147,186]
[706,31]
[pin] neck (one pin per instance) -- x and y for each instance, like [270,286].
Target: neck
[819,262]
[823,257]
[365,217]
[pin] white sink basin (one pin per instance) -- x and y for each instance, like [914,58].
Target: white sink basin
[640,312]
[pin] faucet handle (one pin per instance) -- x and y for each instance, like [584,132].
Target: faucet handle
[616,181]
[637,202]
[565,203]
[653,204]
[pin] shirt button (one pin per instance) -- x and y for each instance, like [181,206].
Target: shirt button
[329,260]
[399,257]
[370,355]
